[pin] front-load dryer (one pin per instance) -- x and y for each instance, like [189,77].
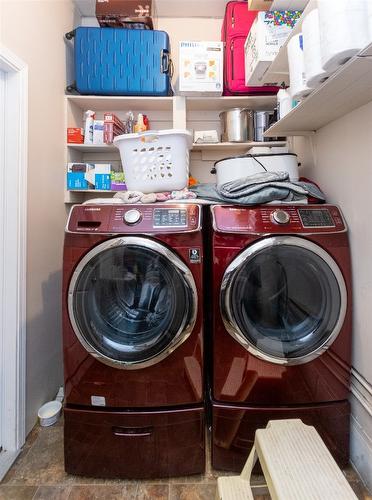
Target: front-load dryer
[132,341]
[281,325]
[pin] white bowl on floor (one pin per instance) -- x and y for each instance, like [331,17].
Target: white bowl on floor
[49,413]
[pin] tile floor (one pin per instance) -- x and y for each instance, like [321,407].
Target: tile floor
[38,474]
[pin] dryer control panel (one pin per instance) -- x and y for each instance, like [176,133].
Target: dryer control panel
[278,219]
[134,219]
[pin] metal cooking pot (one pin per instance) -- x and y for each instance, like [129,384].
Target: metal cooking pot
[237,125]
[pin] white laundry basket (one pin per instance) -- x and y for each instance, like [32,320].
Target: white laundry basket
[155,161]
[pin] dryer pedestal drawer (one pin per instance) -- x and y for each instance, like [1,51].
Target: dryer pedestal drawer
[234,429]
[134,444]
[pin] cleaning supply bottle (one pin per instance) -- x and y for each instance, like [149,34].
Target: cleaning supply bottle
[89,125]
[140,125]
[284,100]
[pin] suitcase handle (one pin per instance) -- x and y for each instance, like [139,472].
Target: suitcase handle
[165,61]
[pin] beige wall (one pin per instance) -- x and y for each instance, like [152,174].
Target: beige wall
[34,31]
[342,157]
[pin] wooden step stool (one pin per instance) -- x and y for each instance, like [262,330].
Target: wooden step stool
[296,464]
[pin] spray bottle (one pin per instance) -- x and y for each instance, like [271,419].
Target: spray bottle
[89,124]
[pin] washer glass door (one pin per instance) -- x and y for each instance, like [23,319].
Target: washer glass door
[284,299]
[132,302]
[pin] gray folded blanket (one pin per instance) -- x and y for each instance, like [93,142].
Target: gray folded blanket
[259,188]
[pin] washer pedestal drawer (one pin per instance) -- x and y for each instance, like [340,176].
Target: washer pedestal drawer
[134,444]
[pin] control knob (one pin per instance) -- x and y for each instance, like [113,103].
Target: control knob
[281,217]
[132,217]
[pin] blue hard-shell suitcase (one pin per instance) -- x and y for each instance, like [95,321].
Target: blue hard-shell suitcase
[117,61]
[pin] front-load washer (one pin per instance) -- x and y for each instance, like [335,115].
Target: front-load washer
[281,325]
[132,341]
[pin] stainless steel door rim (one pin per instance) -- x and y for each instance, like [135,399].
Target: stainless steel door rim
[187,325]
[248,254]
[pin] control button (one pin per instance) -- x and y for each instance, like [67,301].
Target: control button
[281,217]
[132,216]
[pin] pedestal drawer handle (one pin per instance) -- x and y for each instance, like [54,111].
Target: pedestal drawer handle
[133,431]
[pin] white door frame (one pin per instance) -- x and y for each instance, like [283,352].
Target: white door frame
[13,239]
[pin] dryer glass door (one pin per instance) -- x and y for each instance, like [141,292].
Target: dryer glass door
[284,299]
[132,302]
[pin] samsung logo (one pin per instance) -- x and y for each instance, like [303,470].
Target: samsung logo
[92,209]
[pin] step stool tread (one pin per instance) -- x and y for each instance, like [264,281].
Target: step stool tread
[234,488]
[297,464]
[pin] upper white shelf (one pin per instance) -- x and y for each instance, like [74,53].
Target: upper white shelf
[261,102]
[278,71]
[121,103]
[347,89]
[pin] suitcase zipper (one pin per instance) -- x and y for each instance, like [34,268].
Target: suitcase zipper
[232,59]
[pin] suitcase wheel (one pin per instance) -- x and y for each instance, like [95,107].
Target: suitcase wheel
[70,89]
[70,35]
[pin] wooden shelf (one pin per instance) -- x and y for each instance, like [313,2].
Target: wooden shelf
[236,146]
[278,71]
[347,89]
[170,8]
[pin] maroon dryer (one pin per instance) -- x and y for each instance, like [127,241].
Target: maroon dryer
[132,341]
[281,325]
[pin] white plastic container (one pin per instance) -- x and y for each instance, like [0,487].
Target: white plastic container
[155,161]
[343,29]
[231,169]
[296,64]
[49,413]
[314,72]
[284,101]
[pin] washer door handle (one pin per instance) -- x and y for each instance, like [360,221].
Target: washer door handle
[133,431]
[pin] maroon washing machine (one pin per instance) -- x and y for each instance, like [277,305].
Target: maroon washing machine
[132,341]
[281,325]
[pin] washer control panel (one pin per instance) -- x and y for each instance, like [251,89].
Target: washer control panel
[279,219]
[170,217]
[316,218]
[135,219]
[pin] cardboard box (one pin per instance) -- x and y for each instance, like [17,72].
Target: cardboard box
[201,68]
[259,4]
[116,13]
[268,33]
[76,173]
[75,135]
[118,181]
[89,176]
[99,176]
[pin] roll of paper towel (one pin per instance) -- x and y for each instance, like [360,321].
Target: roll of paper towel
[314,72]
[369,13]
[343,30]
[297,78]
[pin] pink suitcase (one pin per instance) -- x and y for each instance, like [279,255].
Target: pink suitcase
[236,25]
